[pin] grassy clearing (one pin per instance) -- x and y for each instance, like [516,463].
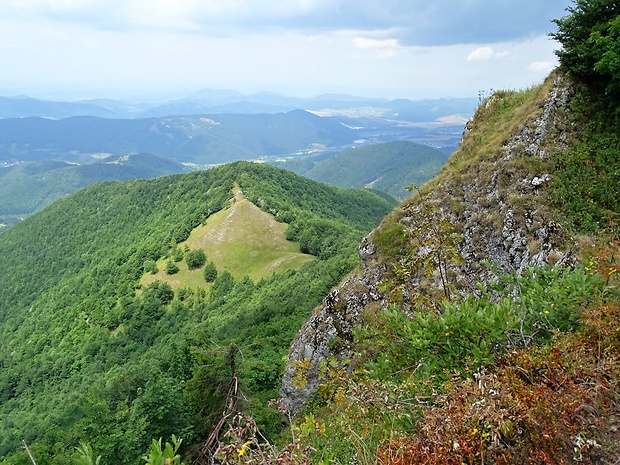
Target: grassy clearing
[242,240]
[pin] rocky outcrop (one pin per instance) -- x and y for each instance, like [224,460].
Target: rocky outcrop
[496,201]
[329,331]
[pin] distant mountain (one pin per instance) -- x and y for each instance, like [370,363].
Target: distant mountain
[215,95]
[29,187]
[213,101]
[389,167]
[194,139]
[19,107]
[329,104]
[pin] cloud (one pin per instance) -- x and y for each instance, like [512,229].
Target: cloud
[485,53]
[482,53]
[411,22]
[382,48]
[366,44]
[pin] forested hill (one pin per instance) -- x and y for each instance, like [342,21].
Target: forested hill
[390,167]
[90,355]
[28,187]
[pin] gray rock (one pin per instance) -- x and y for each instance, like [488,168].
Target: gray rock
[503,222]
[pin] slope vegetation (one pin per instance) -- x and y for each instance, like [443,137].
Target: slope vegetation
[390,167]
[89,354]
[241,239]
[477,302]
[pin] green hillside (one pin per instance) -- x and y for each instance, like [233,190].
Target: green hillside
[90,354]
[390,167]
[30,186]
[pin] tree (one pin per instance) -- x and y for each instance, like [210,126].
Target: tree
[195,259]
[161,291]
[210,272]
[150,266]
[171,267]
[222,285]
[590,36]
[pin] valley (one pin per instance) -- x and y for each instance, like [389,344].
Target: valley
[258,279]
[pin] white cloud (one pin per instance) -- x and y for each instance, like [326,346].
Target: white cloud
[481,53]
[385,48]
[142,44]
[56,36]
[485,53]
[366,44]
[412,22]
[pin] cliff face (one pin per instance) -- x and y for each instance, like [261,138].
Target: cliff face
[491,196]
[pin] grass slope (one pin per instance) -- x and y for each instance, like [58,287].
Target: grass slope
[243,240]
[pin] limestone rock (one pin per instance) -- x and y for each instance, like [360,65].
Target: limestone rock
[502,219]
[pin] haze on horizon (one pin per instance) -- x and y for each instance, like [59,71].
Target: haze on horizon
[374,48]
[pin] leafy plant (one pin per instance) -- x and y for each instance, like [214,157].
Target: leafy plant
[171,268]
[84,455]
[429,247]
[589,35]
[157,455]
[210,272]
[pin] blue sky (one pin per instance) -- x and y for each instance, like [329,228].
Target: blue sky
[380,48]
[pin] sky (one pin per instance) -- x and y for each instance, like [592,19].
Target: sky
[413,49]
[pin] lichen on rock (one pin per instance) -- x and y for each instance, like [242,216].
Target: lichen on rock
[497,201]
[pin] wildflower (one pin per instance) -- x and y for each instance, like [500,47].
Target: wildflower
[244,448]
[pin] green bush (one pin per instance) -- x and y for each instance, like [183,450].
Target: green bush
[513,312]
[150,266]
[590,37]
[195,259]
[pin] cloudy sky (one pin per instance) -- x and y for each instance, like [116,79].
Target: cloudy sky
[382,48]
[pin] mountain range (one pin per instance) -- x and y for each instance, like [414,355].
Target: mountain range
[149,308]
[213,101]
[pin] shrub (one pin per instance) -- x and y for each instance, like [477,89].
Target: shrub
[150,266]
[195,259]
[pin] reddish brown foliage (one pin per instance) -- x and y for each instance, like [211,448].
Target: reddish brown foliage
[539,406]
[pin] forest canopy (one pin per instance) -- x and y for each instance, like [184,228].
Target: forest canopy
[91,355]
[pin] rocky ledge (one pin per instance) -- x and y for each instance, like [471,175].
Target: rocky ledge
[499,207]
